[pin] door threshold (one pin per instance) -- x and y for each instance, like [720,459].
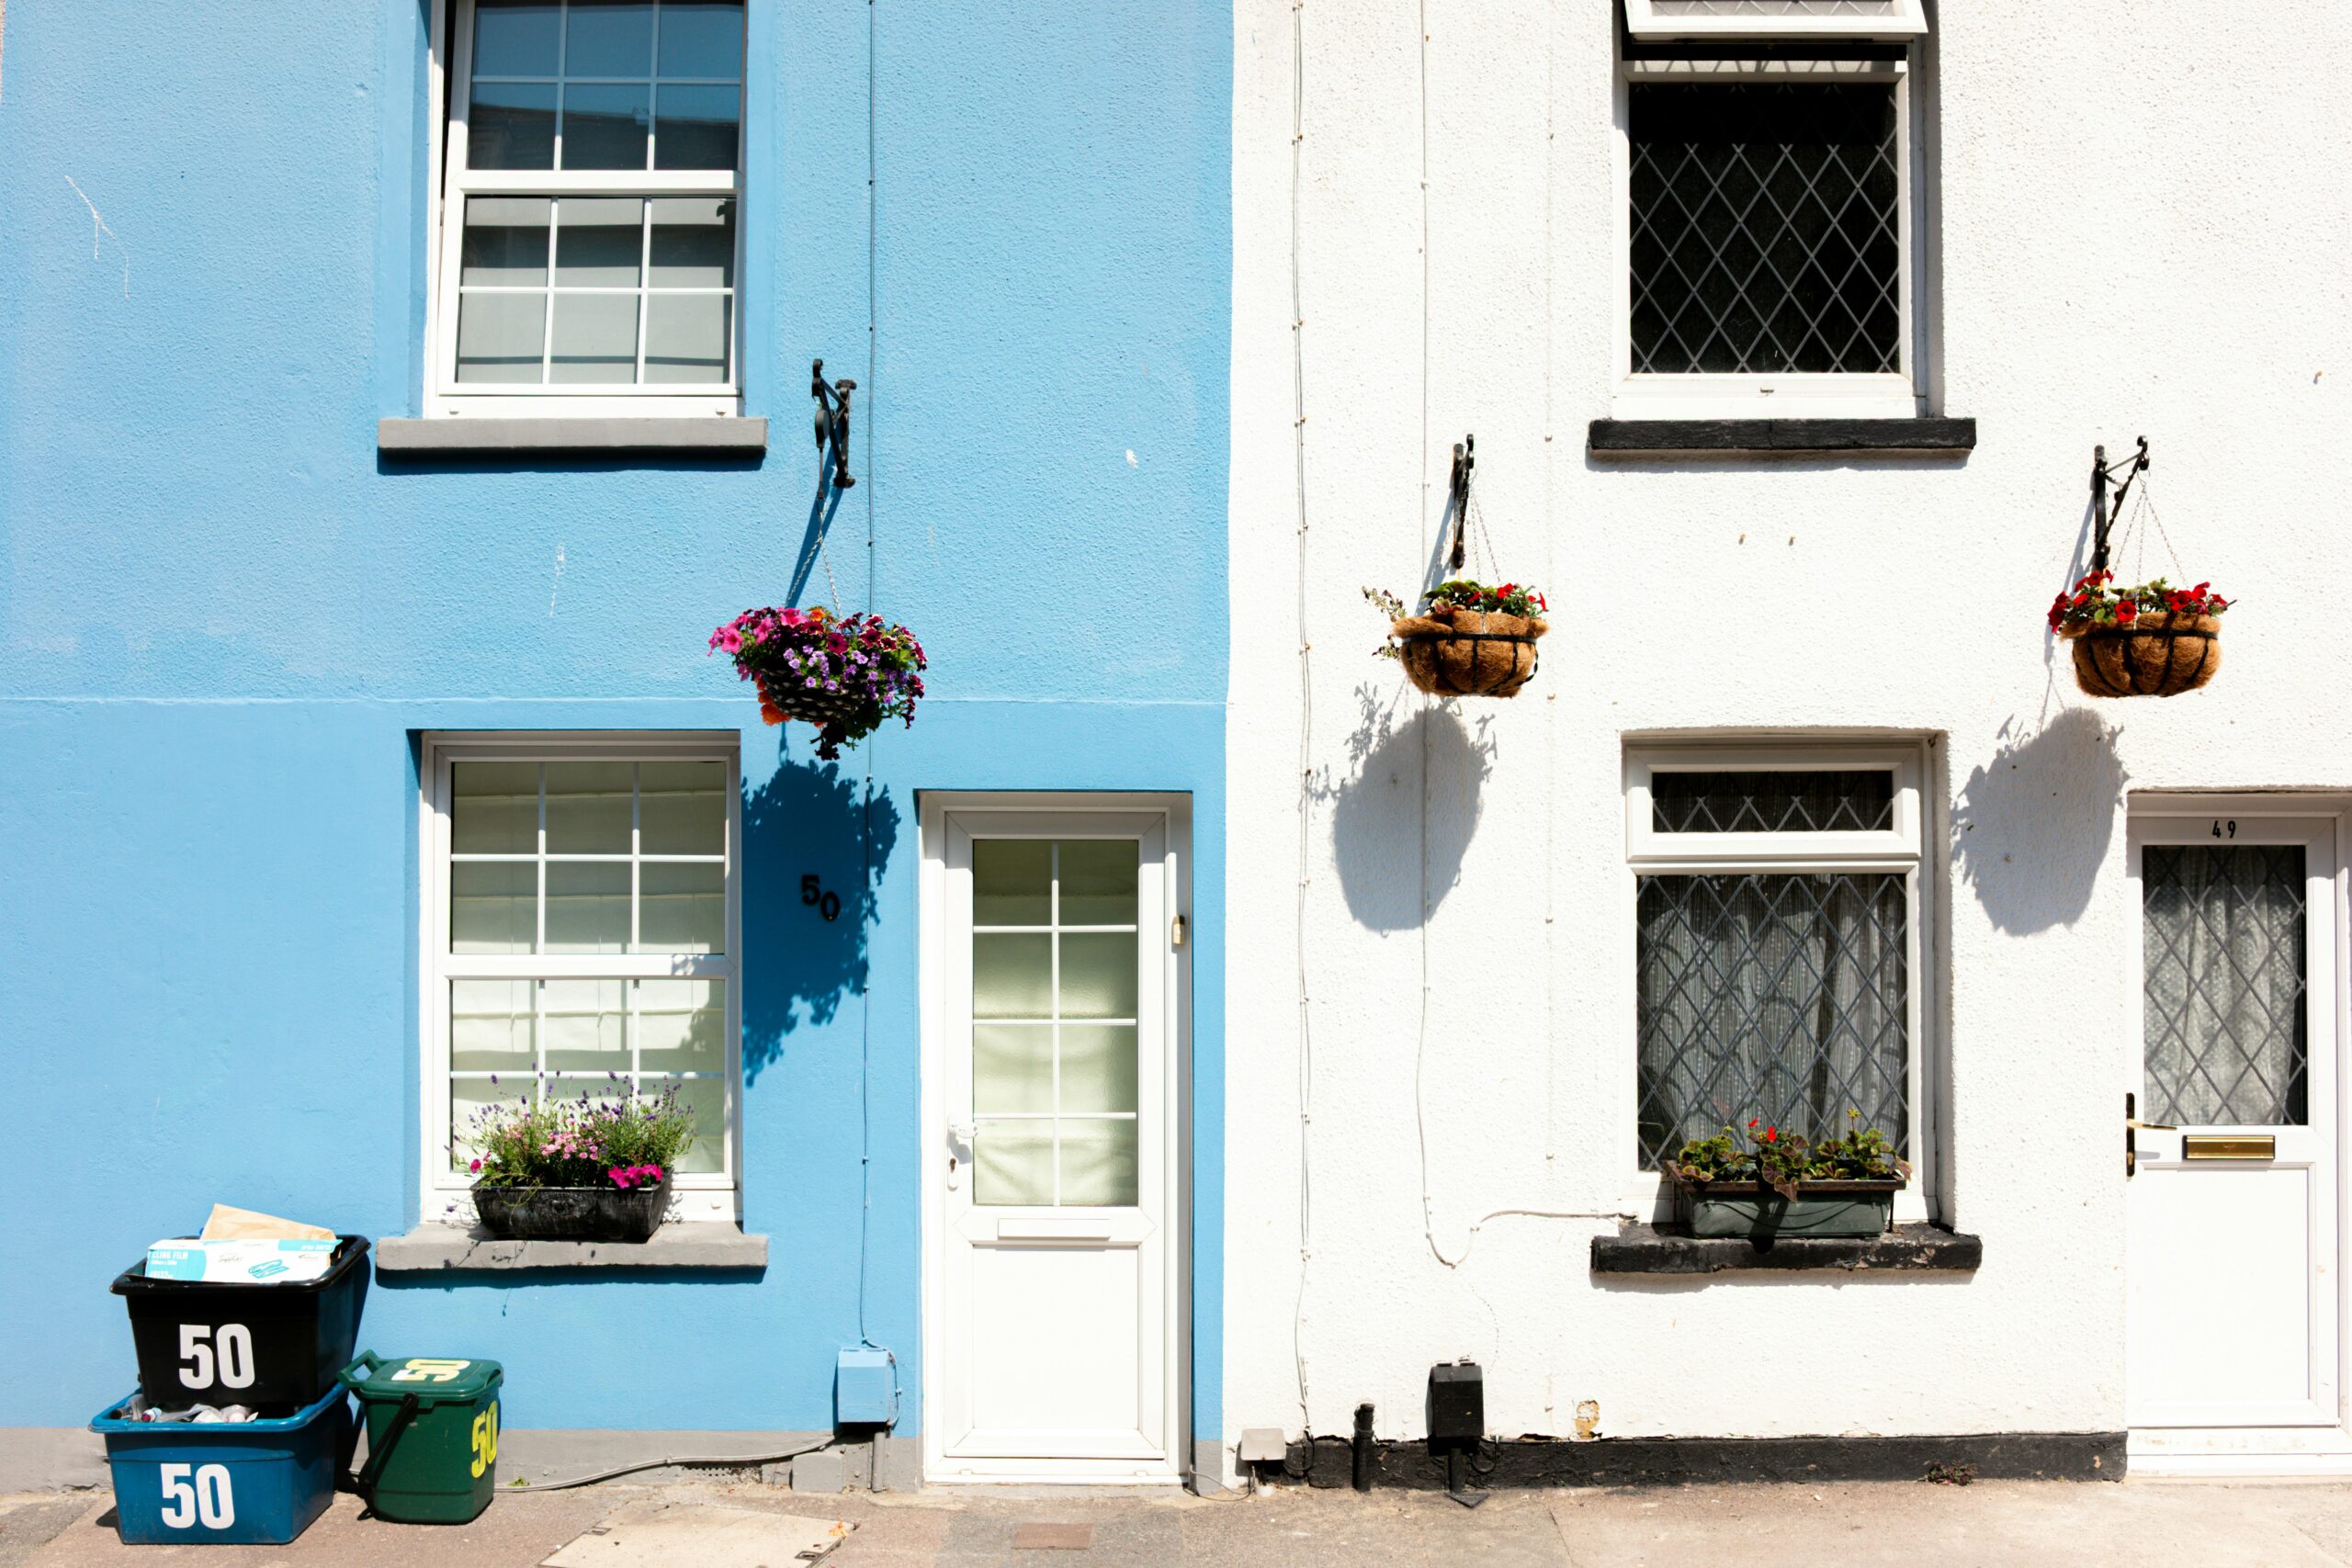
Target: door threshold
[1060,1481]
[2324,1455]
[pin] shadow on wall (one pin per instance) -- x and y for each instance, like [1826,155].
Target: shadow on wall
[1378,822]
[2030,828]
[815,839]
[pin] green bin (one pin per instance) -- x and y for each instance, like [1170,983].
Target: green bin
[432,1436]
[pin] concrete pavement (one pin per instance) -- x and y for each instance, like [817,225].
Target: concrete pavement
[2211,1525]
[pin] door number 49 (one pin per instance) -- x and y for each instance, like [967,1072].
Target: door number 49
[226,1351]
[204,1498]
[2231,825]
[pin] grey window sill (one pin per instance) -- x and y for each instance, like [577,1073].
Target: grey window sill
[1684,437]
[709,433]
[1644,1249]
[708,1246]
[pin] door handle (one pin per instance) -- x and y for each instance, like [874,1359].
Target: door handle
[2132,1127]
[960,1135]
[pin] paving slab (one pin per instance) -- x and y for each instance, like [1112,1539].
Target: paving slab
[1865,1525]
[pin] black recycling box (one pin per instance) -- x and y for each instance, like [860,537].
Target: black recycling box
[253,1345]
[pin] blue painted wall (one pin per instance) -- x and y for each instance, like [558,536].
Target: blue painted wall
[224,619]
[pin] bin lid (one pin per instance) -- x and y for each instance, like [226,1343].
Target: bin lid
[434,1379]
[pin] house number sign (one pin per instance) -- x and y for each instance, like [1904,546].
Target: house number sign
[826,904]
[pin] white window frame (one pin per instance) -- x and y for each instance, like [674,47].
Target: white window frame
[1643,21]
[1818,395]
[1899,848]
[701,1195]
[450,84]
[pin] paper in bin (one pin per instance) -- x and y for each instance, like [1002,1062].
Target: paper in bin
[288,1260]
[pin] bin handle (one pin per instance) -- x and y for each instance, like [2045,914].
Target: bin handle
[351,1377]
[379,1454]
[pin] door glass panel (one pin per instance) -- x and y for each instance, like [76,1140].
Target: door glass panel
[1098,1064]
[1013,881]
[1098,1162]
[1012,976]
[2225,947]
[1055,1040]
[1098,882]
[1098,974]
[1013,1163]
[1012,1067]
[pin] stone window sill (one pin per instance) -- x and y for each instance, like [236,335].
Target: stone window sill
[704,1246]
[1915,1248]
[1701,438]
[710,435]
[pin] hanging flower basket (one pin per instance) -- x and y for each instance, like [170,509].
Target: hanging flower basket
[1470,640]
[2154,640]
[844,674]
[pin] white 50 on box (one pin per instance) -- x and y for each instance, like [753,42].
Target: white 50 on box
[240,1262]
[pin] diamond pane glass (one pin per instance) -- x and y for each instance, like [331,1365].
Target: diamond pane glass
[1765,231]
[2224,945]
[1856,800]
[1779,997]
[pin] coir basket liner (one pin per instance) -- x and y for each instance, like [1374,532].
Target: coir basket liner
[2162,654]
[1468,653]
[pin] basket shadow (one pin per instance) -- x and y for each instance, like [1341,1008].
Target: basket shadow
[1403,817]
[2031,825]
[820,839]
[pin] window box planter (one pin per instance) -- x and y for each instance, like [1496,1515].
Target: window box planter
[571,1213]
[1754,1210]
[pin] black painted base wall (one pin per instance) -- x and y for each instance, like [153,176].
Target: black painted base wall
[1672,1461]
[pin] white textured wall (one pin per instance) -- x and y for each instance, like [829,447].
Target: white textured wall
[2145,231]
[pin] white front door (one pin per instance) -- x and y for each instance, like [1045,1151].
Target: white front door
[1051,1091]
[2232,1195]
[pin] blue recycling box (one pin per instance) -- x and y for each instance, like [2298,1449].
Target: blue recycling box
[232,1482]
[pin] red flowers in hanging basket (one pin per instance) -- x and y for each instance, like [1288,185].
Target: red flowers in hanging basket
[1470,641]
[844,674]
[2153,641]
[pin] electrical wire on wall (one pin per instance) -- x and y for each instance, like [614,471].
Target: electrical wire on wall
[866,890]
[1306,708]
[1420,1047]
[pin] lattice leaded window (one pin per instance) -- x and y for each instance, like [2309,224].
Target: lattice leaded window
[1782,992]
[1766,228]
[2223,943]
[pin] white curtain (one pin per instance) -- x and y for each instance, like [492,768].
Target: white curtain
[1777,996]
[2223,949]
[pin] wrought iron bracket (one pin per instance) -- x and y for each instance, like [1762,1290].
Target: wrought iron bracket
[2105,509]
[832,419]
[1457,497]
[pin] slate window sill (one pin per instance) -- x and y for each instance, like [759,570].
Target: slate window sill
[710,434]
[1701,437]
[689,1246]
[1914,1249]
